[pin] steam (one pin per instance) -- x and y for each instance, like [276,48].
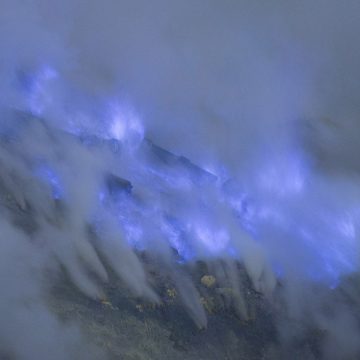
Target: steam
[191,131]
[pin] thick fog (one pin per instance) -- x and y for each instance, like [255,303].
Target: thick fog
[231,128]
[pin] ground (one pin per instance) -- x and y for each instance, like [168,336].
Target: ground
[130,328]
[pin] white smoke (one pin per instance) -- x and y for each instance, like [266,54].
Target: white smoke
[264,96]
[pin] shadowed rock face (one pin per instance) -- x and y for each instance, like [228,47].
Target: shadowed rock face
[129,328]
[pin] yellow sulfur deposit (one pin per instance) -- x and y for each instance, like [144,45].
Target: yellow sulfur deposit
[208,280]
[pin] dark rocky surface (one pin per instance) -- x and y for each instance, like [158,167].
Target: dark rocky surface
[127,327]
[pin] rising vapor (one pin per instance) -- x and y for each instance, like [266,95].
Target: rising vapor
[222,133]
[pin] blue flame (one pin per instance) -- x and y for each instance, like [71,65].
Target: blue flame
[36,87]
[276,207]
[50,177]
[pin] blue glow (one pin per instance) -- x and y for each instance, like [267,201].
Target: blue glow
[278,204]
[283,175]
[323,240]
[39,96]
[49,176]
[125,125]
